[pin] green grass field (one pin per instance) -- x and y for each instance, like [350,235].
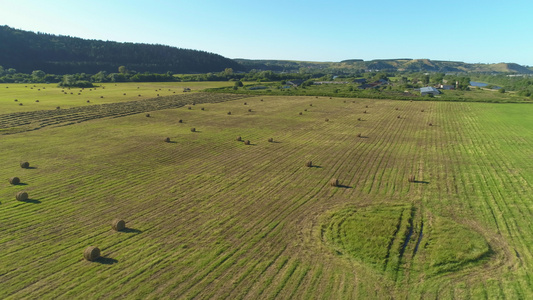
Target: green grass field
[51,96]
[210,217]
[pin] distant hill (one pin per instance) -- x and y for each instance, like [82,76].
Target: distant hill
[27,51]
[401,64]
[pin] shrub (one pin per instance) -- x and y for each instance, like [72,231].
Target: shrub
[91,253]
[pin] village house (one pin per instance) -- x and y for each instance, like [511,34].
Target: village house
[429,90]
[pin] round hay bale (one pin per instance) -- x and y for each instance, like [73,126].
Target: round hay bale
[334,182]
[118,225]
[180,121]
[193,129]
[239,139]
[359,135]
[305,109]
[21,196]
[398,117]
[36,100]
[203,108]
[270,140]
[411,178]
[327,120]
[311,104]
[359,119]
[14,180]
[16,100]
[309,164]
[430,124]
[88,101]
[250,110]
[58,107]
[261,100]
[167,140]
[91,253]
[124,94]
[247,142]
[422,110]
[396,108]
[189,107]
[20,104]
[366,106]
[229,112]
[245,103]
[24,164]
[301,113]
[148,115]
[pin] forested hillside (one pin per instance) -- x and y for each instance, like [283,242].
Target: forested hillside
[26,51]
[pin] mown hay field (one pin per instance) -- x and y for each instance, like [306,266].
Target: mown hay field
[50,96]
[210,217]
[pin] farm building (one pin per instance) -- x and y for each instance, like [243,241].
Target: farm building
[429,90]
[295,83]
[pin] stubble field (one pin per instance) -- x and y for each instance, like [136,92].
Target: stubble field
[210,217]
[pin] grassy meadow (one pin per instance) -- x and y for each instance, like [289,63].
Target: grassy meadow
[210,217]
[51,96]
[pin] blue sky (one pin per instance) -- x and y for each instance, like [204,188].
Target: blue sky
[459,30]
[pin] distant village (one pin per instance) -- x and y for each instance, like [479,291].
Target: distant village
[364,85]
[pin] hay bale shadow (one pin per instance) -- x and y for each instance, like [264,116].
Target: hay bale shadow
[344,186]
[21,183]
[131,230]
[31,168]
[421,181]
[106,260]
[33,201]
[318,167]
[171,142]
